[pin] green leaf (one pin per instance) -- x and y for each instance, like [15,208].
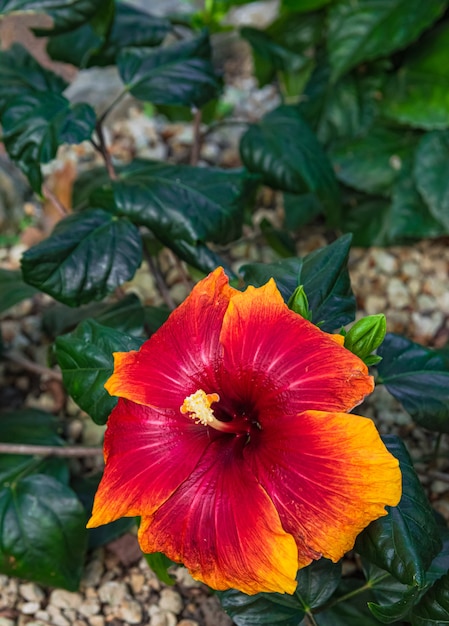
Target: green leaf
[85,358]
[283,149]
[350,613]
[263,609]
[433,609]
[65,15]
[366,335]
[299,303]
[419,378]
[13,289]
[431,173]
[160,563]
[285,47]
[154,317]
[393,599]
[317,582]
[21,73]
[300,209]
[181,74]
[303,5]
[345,109]
[365,30]
[374,162]
[85,488]
[43,534]
[324,276]
[180,202]
[126,315]
[36,124]
[326,281]
[406,540]
[417,94]
[130,26]
[86,257]
[31,426]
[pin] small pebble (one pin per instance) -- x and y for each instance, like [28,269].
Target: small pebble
[31,592]
[30,608]
[63,599]
[112,592]
[171,600]
[130,612]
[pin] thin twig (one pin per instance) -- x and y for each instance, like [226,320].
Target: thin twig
[55,201]
[116,100]
[185,278]
[160,282]
[102,148]
[60,451]
[225,122]
[33,367]
[197,137]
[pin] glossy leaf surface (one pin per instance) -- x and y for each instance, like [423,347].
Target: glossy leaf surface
[365,30]
[431,173]
[433,610]
[181,74]
[85,358]
[285,152]
[65,15]
[86,257]
[419,378]
[43,535]
[36,124]
[405,541]
[13,289]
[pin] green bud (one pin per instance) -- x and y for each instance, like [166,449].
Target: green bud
[299,304]
[366,335]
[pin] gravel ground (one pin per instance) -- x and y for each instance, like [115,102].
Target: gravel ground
[408,284]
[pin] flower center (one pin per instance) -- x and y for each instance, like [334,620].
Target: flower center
[198,407]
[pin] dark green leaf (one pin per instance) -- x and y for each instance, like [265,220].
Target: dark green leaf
[160,563]
[35,124]
[30,426]
[85,358]
[324,276]
[406,540]
[326,281]
[440,564]
[13,289]
[263,609]
[366,335]
[353,612]
[285,47]
[365,30]
[374,162]
[393,599]
[433,609]
[180,74]
[65,15]
[317,582]
[85,488]
[43,534]
[86,257]
[155,317]
[279,240]
[283,149]
[419,378]
[21,73]
[431,173]
[303,5]
[417,94]
[345,109]
[83,47]
[300,209]
[126,315]
[179,202]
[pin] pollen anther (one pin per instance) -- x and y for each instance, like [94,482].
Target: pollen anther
[198,404]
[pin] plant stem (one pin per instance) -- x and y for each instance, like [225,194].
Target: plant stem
[160,282]
[351,594]
[103,150]
[116,100]
[197,137]
[60,451]
[311,619]
[33,367]
[226,122]
[49,195]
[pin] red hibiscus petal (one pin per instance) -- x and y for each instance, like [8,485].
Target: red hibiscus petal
[182,355]
[277,360]
[148,455]
[223,527]
[328,474]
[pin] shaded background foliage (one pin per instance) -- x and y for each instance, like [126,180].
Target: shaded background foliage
[360,140]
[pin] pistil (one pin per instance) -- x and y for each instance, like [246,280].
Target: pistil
[198,406]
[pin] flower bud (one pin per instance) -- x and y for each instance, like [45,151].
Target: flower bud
[366,335]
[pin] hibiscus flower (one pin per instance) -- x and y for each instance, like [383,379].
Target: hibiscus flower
[231,440]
